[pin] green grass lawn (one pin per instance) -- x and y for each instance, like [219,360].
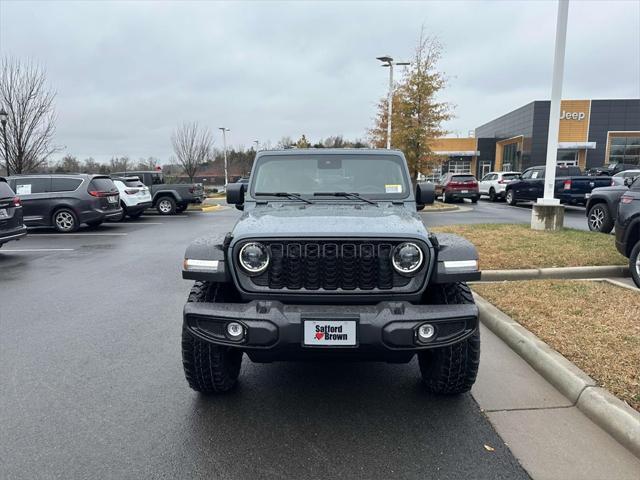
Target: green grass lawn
[513,246]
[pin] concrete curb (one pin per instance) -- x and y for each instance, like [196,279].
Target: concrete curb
[452,208]
[555,273]
[609,412]
[207,208]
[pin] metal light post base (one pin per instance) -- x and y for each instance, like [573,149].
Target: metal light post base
[547,214]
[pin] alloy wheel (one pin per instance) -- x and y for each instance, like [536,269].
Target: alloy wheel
[509,196]
[65,221]
[164,206]
[596,218]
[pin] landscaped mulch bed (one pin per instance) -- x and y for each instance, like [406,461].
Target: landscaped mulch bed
[515,246]
[594,324]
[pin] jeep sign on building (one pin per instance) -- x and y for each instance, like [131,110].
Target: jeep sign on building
[592,133]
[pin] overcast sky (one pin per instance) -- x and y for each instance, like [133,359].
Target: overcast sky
[126,72]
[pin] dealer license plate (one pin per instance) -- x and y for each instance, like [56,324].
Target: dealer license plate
[464,191]
[327,333]
[3,213]
[112,199]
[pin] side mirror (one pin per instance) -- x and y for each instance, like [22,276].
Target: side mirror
[629,181]
[425,193]
[235,194]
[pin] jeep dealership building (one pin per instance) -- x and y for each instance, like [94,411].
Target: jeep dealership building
[592,133]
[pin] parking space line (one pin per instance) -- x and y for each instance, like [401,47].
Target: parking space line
[61,235]
[142,223]
[37,250]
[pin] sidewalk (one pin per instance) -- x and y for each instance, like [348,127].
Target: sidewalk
[548,435]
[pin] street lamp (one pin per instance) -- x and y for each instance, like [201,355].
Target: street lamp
[3,121]
[224,143]
[257,142]
[387,61]
[547,213]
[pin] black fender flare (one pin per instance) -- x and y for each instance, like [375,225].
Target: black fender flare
[456,259]
[167,193]
[205,259]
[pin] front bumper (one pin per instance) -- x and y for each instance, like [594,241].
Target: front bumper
[385,331]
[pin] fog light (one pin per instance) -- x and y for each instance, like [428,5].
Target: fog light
[235,331]
[426,332]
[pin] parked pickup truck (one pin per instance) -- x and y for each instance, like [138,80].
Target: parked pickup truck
[168,199]
[571,186]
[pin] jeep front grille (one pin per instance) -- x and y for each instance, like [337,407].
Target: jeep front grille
[330,265]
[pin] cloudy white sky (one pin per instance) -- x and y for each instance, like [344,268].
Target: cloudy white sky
[126,72]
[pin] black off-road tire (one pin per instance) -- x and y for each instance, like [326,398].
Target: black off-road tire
[634,263]
[600,219]
[451,370]
[209,368]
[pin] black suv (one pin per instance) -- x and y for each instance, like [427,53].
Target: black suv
[65,201]
[628,229]
[11,226]
[330,261]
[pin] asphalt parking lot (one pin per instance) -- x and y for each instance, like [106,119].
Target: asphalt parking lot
[499,212]
[93,384]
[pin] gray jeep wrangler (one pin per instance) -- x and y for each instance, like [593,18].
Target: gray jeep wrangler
[330,261]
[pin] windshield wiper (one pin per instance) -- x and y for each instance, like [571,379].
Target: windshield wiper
[292,196]
[352,195]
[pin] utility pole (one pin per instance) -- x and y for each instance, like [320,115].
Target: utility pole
[387,61]
[3,121]
[224,143]
[548,214]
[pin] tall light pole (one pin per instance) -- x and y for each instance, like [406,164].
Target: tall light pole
[224,144]
[547,214]
[257,142]
[387,61]
[3,121]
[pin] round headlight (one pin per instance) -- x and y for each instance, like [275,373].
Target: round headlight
[254,257]
[407,258]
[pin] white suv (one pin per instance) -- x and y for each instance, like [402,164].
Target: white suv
[494,183]
[135,196]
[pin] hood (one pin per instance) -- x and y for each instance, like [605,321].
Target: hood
[329,220]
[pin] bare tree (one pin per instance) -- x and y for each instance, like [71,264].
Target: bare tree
[192,145]
[120,164]
[149,163]
[31,123]
[90,165]
[68,164]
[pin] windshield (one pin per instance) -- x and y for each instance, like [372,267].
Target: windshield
[510,176]
[376,176]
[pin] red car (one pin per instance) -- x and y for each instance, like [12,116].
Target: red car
[458,186]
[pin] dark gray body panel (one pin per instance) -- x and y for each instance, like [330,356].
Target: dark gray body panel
[181,192]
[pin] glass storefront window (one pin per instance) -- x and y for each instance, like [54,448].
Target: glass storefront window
[460,166]
[625,149]
[567,158]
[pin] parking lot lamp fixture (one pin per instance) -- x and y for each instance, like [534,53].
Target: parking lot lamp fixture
[3,121]
[224,146]
[388,62]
